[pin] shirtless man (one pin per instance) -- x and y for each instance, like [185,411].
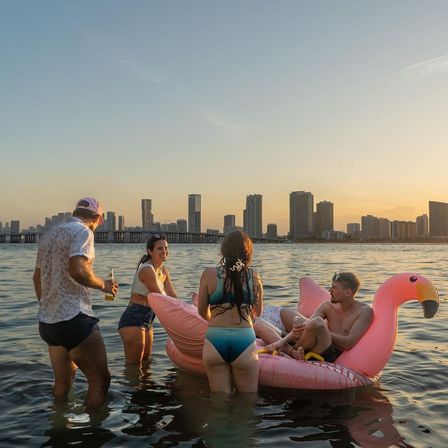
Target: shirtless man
[336,325]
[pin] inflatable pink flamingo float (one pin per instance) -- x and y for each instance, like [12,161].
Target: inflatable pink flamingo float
[359,366]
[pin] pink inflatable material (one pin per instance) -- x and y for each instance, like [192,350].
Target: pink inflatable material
[356,367]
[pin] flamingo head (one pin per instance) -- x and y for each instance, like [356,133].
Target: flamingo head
[409,286]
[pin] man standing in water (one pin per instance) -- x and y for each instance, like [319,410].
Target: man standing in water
[336,325]
[62,279]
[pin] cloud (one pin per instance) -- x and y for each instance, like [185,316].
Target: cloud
[221,123]
[428,68]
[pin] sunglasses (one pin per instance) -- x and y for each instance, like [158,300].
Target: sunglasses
[337,277]
[158,236]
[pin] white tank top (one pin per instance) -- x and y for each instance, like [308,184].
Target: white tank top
[139,287]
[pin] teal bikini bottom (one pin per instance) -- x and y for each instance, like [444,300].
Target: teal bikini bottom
[230,342]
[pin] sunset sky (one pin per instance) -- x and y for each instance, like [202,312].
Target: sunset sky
[159,99]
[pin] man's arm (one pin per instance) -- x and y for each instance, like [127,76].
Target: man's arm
[258,290]
[37,283]
[80,269]
[359,327]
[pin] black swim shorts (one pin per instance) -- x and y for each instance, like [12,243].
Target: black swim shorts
[330,354]
[68,333]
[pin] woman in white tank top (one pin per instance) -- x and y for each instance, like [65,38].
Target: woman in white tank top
[135,325]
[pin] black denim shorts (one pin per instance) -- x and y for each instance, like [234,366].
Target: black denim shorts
[68,333]
[136,315]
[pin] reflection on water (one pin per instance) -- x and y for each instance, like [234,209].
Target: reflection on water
[157,405]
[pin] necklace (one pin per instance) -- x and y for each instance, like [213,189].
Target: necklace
[158,271]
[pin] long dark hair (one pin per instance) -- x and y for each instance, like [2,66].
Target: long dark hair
[152,240]
[236,251]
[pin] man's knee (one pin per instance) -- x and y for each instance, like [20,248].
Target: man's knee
[316,324]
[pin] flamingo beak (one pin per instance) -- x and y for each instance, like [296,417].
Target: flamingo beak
[428,296]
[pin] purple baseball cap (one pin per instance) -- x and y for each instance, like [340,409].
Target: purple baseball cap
[90,204]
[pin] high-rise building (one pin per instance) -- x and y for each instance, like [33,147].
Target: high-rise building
[111,222]
[422,226]
[147,216]
[229,224]
[194,213]
[324,217]
[438,219]
[370,227]
[253,216]
[384,228]
[403,230]
[15,227]
[353,229]
[121,222]
[301,206]
[271,231]
[182,225]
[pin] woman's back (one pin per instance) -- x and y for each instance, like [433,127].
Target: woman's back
[223,306]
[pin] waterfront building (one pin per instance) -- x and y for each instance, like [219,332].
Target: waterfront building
[333,235]
[121,223]
[1,227]
[422,226]
[15,227]
[301,207]
[353,229]
[229,224]
[194,213]
[438,219]
[324,217]
[403,230]
[253,216]
[182,225]
[147,216]
[271,231]
[170,227]
[384,228]
[111,222]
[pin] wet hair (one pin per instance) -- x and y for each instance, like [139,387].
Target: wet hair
[236,251]
[348,280]
[84,213]
[152,240]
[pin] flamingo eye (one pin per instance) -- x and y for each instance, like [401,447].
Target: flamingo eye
[413,279]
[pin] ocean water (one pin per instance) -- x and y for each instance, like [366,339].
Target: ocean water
[160,406]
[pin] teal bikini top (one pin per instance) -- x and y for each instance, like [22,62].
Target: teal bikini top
[218,298]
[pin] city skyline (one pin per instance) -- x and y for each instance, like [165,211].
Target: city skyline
[224,99]
[305,220]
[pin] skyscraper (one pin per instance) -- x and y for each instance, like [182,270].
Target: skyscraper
[194,213]
[422,226]
[301,205]
[438,219]
[15,227]
[229,224]
[271,231]
[111,222]
[324,217]
[120,222]
[253,216]
[147,216]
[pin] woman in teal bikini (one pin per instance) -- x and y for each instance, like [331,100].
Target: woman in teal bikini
[230,296]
